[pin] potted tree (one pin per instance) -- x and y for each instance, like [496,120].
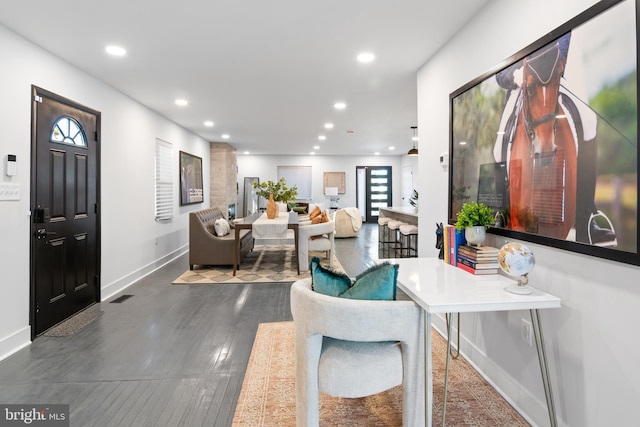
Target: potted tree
[275,192]
[474,218]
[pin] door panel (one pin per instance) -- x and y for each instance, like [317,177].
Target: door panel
[65,239]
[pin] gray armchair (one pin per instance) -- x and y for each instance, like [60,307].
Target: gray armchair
[356,348]
[308,240]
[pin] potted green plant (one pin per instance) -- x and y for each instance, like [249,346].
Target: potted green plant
[413,200]
[474,218]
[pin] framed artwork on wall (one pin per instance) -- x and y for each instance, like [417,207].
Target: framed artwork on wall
[191,188]
[548,138]
[335,180]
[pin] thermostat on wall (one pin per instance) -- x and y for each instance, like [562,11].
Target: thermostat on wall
[12,165]
[444,159]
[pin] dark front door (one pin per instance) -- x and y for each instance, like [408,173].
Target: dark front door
[374,184]
[64,209]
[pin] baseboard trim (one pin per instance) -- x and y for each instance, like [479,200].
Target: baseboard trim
[15,342]
[123,283]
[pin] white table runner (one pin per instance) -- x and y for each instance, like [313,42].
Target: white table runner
[264,228]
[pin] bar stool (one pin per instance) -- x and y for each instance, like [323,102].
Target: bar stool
[408,241]
[383,235]
[393,245]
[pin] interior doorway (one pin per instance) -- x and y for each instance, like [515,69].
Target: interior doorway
[373,190]
[65,221]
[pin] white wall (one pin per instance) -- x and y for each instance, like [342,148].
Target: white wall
[266,168]
[133,244]
[591,341]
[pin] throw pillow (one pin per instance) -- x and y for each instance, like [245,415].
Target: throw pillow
[324,217]
[327,281]
[222,227]
[315,212]
[375,283]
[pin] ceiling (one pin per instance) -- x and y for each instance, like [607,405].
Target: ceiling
[267,73]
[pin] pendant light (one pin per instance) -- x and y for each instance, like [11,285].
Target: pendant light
[414,138]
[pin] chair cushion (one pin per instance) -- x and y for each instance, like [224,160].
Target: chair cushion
[376,283]
[327,281]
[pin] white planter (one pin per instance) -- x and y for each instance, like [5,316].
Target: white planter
[475,235]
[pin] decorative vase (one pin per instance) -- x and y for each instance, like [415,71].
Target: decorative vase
[272,207]
[475,235]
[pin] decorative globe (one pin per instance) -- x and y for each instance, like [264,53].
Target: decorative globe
[516,259]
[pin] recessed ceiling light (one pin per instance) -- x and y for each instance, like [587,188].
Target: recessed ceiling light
[247,153]
[322,137]
[225,136]
[328,125]
[312,153]
[376,153]
[392,148]
[366,57]
[182,102]
[339,105]
[116,50]
[463,143]
[208,124]
[316,147]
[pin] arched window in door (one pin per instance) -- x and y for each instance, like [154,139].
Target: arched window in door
[66,130]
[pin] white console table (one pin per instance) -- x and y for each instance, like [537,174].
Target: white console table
[441,288]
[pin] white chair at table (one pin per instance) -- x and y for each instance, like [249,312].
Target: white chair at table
[307,241]
[355,348]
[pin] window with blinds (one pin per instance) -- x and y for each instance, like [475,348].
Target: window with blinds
[299,176]
[164,181]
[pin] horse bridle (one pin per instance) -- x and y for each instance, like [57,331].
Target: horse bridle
[528,63]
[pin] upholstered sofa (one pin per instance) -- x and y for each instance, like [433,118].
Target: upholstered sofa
[206,248]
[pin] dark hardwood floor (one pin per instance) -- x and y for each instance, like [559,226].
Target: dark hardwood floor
[171,355]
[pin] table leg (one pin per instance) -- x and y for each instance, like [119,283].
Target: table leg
[428,370]
[544,367]
[295,241]
[446,369]
[236,250]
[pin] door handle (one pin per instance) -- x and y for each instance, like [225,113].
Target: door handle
[42,233]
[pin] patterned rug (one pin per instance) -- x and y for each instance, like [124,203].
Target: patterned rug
[265,264]
[268,398]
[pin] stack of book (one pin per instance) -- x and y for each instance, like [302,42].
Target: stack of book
[478,259]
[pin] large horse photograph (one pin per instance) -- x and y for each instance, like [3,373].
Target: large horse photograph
[550,141]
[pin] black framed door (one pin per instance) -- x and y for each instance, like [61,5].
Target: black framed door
[65,238]
[373,190]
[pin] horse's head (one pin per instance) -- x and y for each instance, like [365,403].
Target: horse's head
[542,72]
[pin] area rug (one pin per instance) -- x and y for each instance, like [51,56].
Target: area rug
[268,398]
[265,264]
[73,324]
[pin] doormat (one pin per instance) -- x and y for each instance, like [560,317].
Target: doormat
[73,324]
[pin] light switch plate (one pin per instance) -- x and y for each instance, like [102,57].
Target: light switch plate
[9,191]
